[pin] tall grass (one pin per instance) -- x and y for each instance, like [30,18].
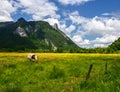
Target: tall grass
[59,73]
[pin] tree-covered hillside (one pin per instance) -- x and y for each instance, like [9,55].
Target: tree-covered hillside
[115,46]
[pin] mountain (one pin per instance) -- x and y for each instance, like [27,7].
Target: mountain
[33,35]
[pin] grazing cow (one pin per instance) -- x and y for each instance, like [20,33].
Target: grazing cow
[32,57]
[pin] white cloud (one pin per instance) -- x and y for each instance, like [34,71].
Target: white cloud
[86,41]
[97,42]
[69,29]
[39,9]
[80,42]
[7,6]
[5,16]
[114,14]
[6,9]
[72,2]
[52,21]
[99,45]
[107,39]
[100,26]
[76,18]
[104,41]
[77,38]
[106,14]
[96,31]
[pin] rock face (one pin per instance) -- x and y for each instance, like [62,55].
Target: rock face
[21,32]
[55,26]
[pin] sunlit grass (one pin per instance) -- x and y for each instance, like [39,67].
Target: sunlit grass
[59,72]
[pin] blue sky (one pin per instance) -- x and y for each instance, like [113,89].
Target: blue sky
[89,23]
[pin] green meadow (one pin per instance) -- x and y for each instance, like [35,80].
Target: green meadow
[65,72]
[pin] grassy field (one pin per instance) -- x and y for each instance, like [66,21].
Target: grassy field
[59,73]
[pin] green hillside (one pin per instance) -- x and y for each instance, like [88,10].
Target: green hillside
[115,46]
[33,35]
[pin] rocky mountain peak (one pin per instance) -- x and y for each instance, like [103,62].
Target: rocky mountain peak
[56,26]
[21,20]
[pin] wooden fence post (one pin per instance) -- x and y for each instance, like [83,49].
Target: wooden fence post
[89,71]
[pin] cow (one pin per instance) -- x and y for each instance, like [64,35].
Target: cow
[32,57]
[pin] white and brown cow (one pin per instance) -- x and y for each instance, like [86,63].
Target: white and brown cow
[32,57]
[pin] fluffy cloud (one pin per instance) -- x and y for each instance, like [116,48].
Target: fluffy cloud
[6,9]
[104,41]
[107,39]
[5,16]
[69,29]
[77,19]
[106,14]
[77,38]
[72,2]
[102,26]
[52,21]
[80,41]
[96,31]
[39,9]
[115,14]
